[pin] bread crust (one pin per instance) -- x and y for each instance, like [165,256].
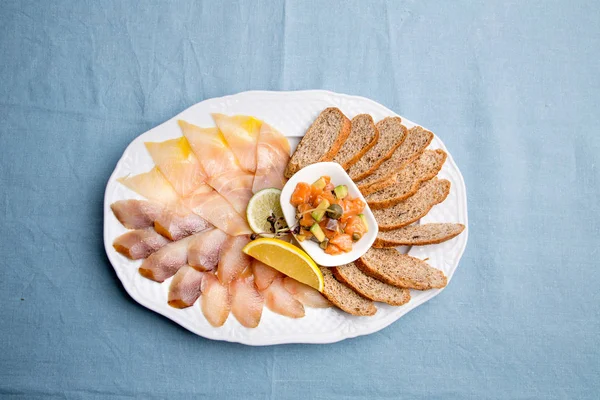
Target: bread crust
[377,164]
[405,282]
[339,275]
[330,295]
[381,243]
[389,202]
[425,211]
[368,147]
[294,166]
[390,178]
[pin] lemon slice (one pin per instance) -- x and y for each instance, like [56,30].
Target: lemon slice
[261,206]
[287,259]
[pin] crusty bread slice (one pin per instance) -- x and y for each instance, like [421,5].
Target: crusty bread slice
[415,207]
[401,270]
[408,180]
[418,235]
[416,141]
[370,287]
[362,138]
[391,135]
[321,142]
[345,298]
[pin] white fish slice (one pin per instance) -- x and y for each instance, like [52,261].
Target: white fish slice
[272,156]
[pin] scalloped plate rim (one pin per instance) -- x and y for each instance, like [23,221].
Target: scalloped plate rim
[302,338]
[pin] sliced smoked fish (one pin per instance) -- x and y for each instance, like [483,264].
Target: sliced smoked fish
[175,159]
[185,287]
[139,243]
[214,301]
[305,294]
[241,133]
[164,263]
[154,186]
[224,172]
[272,156]
[137,214]
[232,261]
[246,301]
[203,253]
[176,221]
[211,206]
[263,274]
[176,226]
[280,301]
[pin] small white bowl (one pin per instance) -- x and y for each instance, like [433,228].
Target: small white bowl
[338,176]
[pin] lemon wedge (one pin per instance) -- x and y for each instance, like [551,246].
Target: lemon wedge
[288,259]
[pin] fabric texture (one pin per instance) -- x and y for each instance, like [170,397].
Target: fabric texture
[511,87]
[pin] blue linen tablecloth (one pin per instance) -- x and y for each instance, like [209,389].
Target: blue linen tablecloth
[512,87]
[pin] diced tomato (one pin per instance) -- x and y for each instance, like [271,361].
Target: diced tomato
[301,194]
[343,241]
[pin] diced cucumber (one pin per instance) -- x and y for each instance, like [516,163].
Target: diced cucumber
[317,232]
[320,183]
[320,211]
[341,191]
[364,221]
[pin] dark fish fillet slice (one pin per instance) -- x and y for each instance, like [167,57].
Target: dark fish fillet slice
[139,243]
[204,251]
[186,287]
[176,226]
[137,214]
[166,262]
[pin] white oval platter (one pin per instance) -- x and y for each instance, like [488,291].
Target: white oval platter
[291,113]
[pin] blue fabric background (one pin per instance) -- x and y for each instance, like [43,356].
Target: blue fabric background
[512,88]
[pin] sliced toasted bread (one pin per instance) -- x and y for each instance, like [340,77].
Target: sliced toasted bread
[418,235]
[321,142]
[345,298]
[401,270]
[408,180]
[362,138]
[416,141]
[415,207]
[370,287]
[391,135]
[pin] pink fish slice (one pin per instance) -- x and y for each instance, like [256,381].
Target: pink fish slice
[214,302]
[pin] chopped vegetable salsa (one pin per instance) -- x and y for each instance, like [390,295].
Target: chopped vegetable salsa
[327,215]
